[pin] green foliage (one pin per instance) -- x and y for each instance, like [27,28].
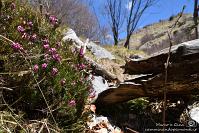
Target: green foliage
[62,83]
[138,105]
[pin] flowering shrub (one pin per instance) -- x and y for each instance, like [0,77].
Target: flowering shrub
[47,79]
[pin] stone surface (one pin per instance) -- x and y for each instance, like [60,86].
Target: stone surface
[99,52]
[70,35]
[101,124]
[194,114]
[194,111]
[99,85]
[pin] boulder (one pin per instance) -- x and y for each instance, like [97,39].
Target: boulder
[99,85]
[70,35]
[99,52]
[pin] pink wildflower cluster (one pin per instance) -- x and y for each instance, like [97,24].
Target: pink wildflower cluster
[63,82]
[21,29]
[53,20]
[44,66]
[54,71]
[71,103]
[81,52]
[36,67]
[81,66]
[50,51]
[17,47]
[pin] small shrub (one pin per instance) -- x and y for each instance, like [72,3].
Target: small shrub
[47,79]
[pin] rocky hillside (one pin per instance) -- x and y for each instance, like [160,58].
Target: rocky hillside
[153,38]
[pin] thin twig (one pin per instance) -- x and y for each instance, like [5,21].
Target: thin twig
[166,68]
[131,130]
[13,113]
[6,88]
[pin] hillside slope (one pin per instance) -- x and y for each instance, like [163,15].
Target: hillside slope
[153,38]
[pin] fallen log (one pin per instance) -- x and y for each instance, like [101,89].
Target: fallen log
[99,70]
[150,88]
[182,79]
[155,63]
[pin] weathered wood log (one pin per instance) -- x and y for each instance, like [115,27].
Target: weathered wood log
[99,70]
[183,75]
[150,88]
[155,63]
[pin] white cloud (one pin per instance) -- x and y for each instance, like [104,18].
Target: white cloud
[128,5]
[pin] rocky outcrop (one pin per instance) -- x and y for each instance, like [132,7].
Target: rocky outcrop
[99,52]
[182,79]
[70,35]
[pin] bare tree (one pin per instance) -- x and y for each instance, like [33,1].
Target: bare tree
[195,17]
[75,14]
[136,10]
[116,16]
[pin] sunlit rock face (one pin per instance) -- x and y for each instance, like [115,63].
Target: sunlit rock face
[99,52]
[194,111]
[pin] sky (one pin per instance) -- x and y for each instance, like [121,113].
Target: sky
[161,10]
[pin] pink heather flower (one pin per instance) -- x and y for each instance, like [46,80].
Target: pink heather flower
[63,82]
[56,57]
[81,66]
[30,23]
[33,37]
[81,52]
[13,6]
[20,29]
[53,19]
[53,50]
[17,46]
[71,103]
[44,66]
[54,71]
[46,46]
[35,68]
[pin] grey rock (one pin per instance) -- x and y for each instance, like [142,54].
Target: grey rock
[70,35]
[194,112]
[99,52]
[97,120]
[99,85]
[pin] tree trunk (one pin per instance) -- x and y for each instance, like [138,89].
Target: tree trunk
[115,41]
[126,45]
[195,17]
